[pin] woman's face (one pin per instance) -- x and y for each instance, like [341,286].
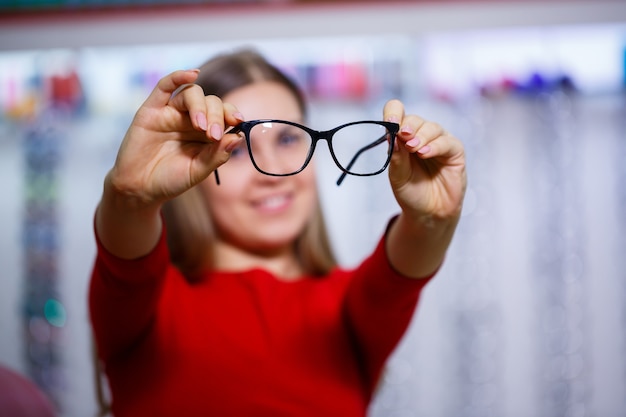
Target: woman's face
[253,211]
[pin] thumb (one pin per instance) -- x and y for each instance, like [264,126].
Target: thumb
[213,155]
[399,165]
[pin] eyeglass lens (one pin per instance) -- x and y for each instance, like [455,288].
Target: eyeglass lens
[362,148]
[279,148]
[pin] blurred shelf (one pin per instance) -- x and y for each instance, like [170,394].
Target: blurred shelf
[277,20]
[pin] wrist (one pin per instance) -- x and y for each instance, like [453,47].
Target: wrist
[420,224]
[126,226]
[121,196]
[416,245]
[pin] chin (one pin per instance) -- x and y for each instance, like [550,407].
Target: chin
[274,241]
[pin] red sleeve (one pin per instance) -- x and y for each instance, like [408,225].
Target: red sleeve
[380,304]
[123,296]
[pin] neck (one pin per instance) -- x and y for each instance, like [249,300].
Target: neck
[283,262]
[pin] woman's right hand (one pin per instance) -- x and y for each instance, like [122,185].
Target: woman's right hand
[175,141]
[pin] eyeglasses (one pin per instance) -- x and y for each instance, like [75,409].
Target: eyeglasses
[282,148]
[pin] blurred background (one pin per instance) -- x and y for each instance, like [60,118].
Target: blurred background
[527,317]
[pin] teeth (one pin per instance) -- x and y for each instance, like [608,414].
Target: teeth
[273,202]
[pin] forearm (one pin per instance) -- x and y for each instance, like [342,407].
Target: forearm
[124,296]
[416,247]
[127,228]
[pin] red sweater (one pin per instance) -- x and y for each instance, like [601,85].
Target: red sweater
[245,344]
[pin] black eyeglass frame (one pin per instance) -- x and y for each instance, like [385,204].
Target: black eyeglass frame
[317,135]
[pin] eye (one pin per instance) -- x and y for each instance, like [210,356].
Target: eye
[290,138]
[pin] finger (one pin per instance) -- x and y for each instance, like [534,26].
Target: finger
[393,111]
[409,127]
[182,88]
[400,164]
[208,113]
[445,145]
[232,115]
[166,86]
[213,157]
[189,98]
[215,115]
[423,136]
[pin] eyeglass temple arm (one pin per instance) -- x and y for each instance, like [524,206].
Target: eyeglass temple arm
[356,156]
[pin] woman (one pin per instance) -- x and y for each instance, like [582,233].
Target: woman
[243,312]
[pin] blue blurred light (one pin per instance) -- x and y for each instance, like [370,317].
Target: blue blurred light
[55,312]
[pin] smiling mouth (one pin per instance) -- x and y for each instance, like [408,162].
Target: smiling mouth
[273,203]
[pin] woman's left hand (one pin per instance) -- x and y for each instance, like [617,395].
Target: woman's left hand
[427,169]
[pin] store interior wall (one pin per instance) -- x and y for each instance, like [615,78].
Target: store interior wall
[527,316]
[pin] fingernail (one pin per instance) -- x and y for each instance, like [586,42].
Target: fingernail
[406,129]
[239,116]
[424,150]
[413,143]
[393,119]
[201,120]
[216,131]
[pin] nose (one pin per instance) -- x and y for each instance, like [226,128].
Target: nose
[269,161]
